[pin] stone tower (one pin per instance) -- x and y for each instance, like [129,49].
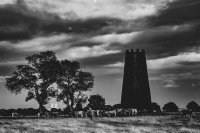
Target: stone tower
[135,89]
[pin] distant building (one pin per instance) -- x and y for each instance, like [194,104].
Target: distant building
[54,105]
[135,89]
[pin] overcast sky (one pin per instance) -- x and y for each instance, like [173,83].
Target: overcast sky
[96,33]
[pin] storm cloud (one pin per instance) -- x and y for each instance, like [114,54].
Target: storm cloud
[20,22]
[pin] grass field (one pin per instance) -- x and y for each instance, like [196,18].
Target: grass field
[136,124]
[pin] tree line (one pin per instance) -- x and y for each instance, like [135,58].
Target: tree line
[97,102]
[45,77]
[172,107]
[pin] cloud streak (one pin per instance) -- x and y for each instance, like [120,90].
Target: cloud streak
[170,84]
[86,52]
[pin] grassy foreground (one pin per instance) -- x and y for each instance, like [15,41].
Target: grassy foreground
[136,124]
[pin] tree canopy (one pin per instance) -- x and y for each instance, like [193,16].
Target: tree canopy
[37,77]
[108,107]
[170,107]
[193,106]
[96,102]
[73,83]
[117,106]
[155,107]
[45,77]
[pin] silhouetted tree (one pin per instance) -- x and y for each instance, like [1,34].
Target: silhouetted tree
[10,111]
[193,105]
[4,112]
[20,111]
[155,106]
[108,107]
[170,107]
[198,109]
[96,102]
[117,106]
[25,111]
[37,77]
[31,111]
[1,112]
[73,83]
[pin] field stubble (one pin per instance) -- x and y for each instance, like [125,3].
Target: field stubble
[136,124]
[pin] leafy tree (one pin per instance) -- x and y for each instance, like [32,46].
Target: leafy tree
[155,107]
[73,83]
[170,107]
[192,105]
[37,77]
[96,102]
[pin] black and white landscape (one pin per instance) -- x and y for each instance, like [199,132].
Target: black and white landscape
[91,37]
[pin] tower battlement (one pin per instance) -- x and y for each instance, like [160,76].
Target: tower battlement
[135,51]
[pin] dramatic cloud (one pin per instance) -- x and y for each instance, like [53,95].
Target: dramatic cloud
[163,43]
[20,22]
[178,12]
[29,19]
[172,31]
[88,8]
[97,33]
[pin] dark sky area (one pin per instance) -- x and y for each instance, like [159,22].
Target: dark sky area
[96,33]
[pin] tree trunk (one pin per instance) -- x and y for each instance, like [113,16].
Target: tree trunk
[72,101]
[67,100]
[40,110]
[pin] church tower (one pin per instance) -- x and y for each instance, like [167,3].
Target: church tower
[135,89]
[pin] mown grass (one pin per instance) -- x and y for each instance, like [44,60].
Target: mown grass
[136,124]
